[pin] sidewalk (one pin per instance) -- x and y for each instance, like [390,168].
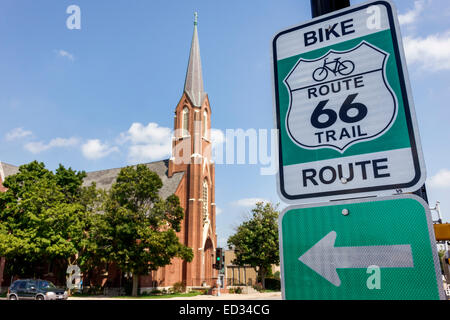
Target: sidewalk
[226,296]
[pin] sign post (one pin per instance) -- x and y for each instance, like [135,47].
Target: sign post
[382,248]
[344,109]
[320,7]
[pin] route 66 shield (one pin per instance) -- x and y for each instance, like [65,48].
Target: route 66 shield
[340,99]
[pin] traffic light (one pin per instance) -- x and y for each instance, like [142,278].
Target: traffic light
[222,266]
[219,259]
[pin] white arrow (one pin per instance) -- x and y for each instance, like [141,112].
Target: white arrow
[324,258]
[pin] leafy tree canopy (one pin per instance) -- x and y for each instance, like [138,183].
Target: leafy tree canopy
[256,240]
[41,219]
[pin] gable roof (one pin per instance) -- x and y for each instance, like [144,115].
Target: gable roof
[104,179]
[7,170]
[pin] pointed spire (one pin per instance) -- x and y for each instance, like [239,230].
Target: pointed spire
[193,85]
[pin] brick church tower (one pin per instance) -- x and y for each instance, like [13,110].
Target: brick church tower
[191,154]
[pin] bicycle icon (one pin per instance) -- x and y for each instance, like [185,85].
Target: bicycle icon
[336,66]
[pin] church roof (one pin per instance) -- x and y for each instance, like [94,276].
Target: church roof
[7,170]
[104,179]
[193,85]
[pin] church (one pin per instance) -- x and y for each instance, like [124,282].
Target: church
[189,174]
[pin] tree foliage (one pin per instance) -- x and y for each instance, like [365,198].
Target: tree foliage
[41,217]
[256,240]
[138,228]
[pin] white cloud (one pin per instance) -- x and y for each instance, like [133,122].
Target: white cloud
[65,54]
[148,152]
[440,180]
[148,143]
[218,211]
[217,137]
[17,133]
[412,15]
[248,202]
[39,146]
[152,133]
[431,53]
[95,149]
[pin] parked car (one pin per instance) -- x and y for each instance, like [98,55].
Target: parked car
[35,289]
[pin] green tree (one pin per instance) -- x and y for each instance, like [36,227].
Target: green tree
[256,240]
[41,217]
[138,229]
[92,200]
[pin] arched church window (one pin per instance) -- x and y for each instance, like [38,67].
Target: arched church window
[205,201]
[205,123]
[185,121]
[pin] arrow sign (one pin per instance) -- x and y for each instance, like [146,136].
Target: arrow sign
[324,258]
[392,234]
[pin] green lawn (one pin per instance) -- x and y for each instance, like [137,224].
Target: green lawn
[164,296]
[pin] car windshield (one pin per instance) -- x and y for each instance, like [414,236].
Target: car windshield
[46,285]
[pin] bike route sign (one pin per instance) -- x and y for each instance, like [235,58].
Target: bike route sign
[344,108]
[379,249]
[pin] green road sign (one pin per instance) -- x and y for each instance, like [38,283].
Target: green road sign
[380,248]
[344,107]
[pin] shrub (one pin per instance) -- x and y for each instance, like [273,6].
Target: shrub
[237,290]
[179,287]
[258,287]
[155,292]
[273,284]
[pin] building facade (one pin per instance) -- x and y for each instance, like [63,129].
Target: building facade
[189,174]
[237,275]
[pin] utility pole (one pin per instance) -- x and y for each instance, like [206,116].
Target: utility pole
[321,7]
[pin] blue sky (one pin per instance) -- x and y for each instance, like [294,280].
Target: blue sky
[72,96]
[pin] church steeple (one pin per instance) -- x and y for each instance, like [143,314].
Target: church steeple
[191,155]
[192,121]
[193,85]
